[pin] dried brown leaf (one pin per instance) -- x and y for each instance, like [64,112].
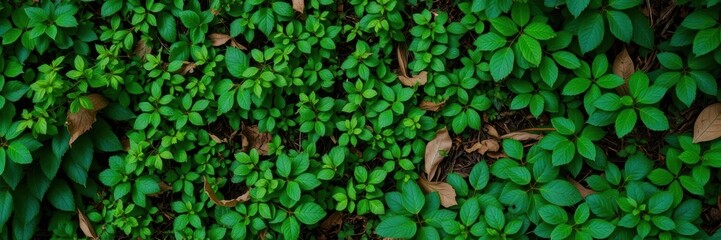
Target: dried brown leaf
[81,121]
[225,203]
[488,145]
[141,49]
[163,188]
[491,130]
[445,190]
[441,144]
[708,124]
[188,67]
[402,53]
[496,155]
[623,66]
[522,136]
[419,79]
[218,39]
[299,5]
[581,189]
[237,45]
[253,138]
[332,220]
[86,226]
[431,106]
[216,139]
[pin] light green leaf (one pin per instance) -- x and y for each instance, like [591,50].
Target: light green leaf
[563,125]
[563,153]
[18,153]
[502,63]
[706,41]
[530,49]
[625,122]
[540,31]
[309,213]
[586,148]
[653,118]
[397,227]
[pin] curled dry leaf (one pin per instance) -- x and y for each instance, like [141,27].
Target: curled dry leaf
[81,121]
[402,53]
[623,66]
[522,136]
[188,67]
[141,49]
[445,190]
[253,138]
[435,151]
[299,6]
[431,106]
[225,203]
[237,45]
[218,39]
[708,124]
[488,145]
[491,130]
[419,79]
[163,188]
[581,189]
[335,219]
[216,139]
[86,226]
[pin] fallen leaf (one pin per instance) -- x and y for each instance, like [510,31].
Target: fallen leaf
[445,190]
[86,226]
[237,45]
[253,138]
[141,49]
[491,130]
[419,79]
[225,203]
[299,5]
[488,145]
[163,187]
[81,121]
[216,139]
[623,66]
[522,136]
[332,220]
[188,67]
[708,124]
[218,39]
[431,106]
[441,143]
[402,53]
[581,189]
[496,155]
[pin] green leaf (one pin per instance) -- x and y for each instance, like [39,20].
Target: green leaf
[553,214]
[264,20]
[292,189]
[664,223]
[513,148]
[540,31]
[147,185]
[706,41]
[490,41]
[670,60]
[591,31]
[561,231]
[385,118]
[686,90]
[519,175]
[699,19]
[624,4]
[6,206]
[653,118]
[620,25]
[66,20]
[660,202]
[189,18]
[479,176]
[412,197]
[236,61]
[470,211]
[397,227]
[504,25]
[309,213]
[610,81]
[537,105]
[11,36]
[576,86]
[560,192]
[111,7]
[549,71]
[563,153]
[36,14]
[566,59]
[530,49]
[563,125]
[586,148]
[167,27]
[577,6]
[61,196]
[502,63]
[691,185]
[494,217]
[18,153]
[13,68]
[290,228]
[600,229]
[651,95]
[625,122]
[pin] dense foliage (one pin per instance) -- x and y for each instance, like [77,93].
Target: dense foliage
[228,119]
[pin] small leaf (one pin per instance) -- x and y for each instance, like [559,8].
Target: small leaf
[441,144]
[444,190]
[81,121]
[487,145]
[708,124]
[141,49]
[431,106]
[623,66]
[225,203]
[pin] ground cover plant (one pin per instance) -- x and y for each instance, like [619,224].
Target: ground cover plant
[360,119]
